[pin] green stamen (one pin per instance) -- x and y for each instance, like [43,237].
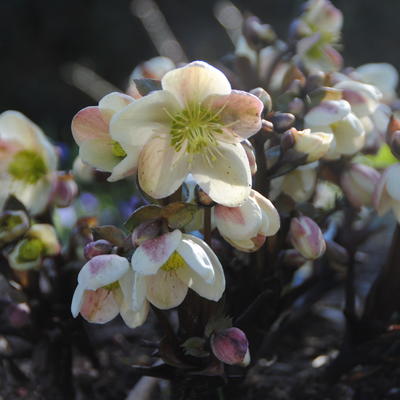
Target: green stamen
[117,150]
[174,262]
[30,250]
[27,166]
[112,286]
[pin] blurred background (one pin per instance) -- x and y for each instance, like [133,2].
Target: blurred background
[58,56]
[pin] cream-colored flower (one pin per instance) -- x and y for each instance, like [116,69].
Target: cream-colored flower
[168,265]
[27,162]
[314,144]
[246,227]
[105,290]
[90,128]
[193,125]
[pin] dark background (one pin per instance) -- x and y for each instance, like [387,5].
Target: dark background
[39,39]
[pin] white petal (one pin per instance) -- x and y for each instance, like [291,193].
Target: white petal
[196,258]
[153,253]
[326,113]
[349,135]
[393,181]
[135,124]
[213,291]
[271,220]
[114,102]
[98,154]
[139,291]
[227,180]
[77,300]
[127,166]
[239,223]
[100,306]
[161,169]
[102,270]
[165,290]
[194,82]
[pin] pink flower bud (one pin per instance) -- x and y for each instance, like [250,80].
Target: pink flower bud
[96,248]
[65,190]
[18,315]
[359,183]
[293,258]
[231,347]
[306,236]
[147,230]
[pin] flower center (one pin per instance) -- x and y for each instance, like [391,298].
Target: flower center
[117,150]
[174,262]
[196,128]
[30,250]
[27,166]
[112,286]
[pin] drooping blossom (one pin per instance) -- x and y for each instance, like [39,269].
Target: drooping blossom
[168,265]
[90,128]
[27,162]
[193,125]
[104,290]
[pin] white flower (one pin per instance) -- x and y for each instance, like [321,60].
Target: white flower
[246,227]
[90,128]
[105,290]
[168,265]
[195,124]
[27,162]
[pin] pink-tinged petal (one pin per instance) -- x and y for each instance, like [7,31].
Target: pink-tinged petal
[153,253]
[165,290]
[102,270]
[77,300]
[135,124]
[161,169]
[196,258]
[98,154]
[99,306]
[327,113]
[211,291]
[126,167]
[241,112]
[334,59]
[227,179]
[238,223]
[393,181]
[89,123]
[270,216]
[194,82]
[114,102]
[349,135]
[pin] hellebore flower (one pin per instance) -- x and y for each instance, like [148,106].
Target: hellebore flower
[13,224]
[39,241]
[335,116]
[314,144]
[247,226]
[90,128]
[194,125]
[105,290]
[27,162]
[167,265]
[387,193]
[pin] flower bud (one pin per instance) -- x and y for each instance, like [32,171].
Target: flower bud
[394,143]
[18,315]
[65,190]
[147,230]
[359,183]
[306,236]
[258,35]
[93,249]
[13,224]
[293,258]
[250,153]
[231,347]
[315,144]
[265,98]
[287,140]
[202,197]
[283,121]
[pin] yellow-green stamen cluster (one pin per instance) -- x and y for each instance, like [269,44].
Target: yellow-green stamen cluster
[30,250]
[174,262]
[196,128]
[117,150]
[27,166]
[112,286]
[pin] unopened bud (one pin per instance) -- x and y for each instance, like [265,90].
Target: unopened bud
[359,183]
[231,347]
[314,81]
[287,140]
[297,107]
[306,237]
[18,315]
[251,157]
[394,143]
[258,35]
[314,144]
[203,198]
[293,258]
[283,121]
[265,98]
[145,231]
[65,190]
[267,127]
[13,224]
[96,248]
